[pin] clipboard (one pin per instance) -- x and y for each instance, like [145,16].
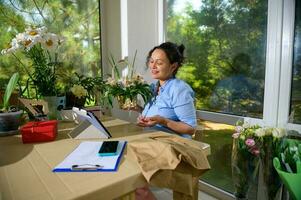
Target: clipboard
[89,127]
[85,158]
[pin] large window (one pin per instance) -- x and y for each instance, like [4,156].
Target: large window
[225,64]
[77,21]
[226,43]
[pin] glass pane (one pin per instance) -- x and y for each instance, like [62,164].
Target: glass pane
[225,52]
[77,21]
[219,136]
[295,111]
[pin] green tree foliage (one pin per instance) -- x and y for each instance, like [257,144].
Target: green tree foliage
[78,21]
[214,35]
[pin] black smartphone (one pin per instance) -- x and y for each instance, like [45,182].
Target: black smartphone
[108,148]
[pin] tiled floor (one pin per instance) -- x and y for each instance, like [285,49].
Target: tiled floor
[165,194]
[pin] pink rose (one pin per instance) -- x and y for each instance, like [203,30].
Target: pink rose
[255,151]
[250,142]
[235,135]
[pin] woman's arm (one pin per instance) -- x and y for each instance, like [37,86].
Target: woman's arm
[178,127]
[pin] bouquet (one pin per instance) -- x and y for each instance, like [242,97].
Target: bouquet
[41,47]
[253,150]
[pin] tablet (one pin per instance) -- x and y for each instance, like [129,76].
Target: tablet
[84,115]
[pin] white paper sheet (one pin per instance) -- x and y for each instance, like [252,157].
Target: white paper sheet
[86,154]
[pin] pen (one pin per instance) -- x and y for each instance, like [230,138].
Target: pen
[86,167]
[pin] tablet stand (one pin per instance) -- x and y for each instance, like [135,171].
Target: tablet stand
[85,130]
[89,126]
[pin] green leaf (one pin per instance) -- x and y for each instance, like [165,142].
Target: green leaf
[9,89]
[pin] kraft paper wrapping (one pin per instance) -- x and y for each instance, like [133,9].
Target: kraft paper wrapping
[172,162]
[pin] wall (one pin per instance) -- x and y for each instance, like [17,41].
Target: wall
[110,32]
[142,31]
[127,26]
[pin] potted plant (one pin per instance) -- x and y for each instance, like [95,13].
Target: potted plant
[126,87]
[288,166]
[83,89]
[41,48]
[9,116]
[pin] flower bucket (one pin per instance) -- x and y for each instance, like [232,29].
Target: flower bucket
[292,181]
[244,173]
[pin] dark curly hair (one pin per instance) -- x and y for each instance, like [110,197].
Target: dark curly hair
[174,53]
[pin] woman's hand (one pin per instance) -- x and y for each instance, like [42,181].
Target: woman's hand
[150,121]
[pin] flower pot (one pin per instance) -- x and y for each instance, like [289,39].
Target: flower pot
[9,123]
[73,101]
[54,104]
[127,103]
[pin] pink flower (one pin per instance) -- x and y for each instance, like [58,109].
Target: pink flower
[255,151]
[235,135]
[250,142]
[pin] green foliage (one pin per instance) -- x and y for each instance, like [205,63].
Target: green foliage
[213,35]
[44,76]
[291,154]
[77,21]
[93,85]
[9,90]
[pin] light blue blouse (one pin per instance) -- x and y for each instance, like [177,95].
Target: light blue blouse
[175,101]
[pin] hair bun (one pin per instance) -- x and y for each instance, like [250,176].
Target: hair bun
[181,49]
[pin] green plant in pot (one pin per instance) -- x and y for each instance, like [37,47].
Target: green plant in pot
[9,116]
[82,89]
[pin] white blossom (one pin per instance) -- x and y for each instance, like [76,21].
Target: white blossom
[79,91]
[239,129]
[260,132]
[246,125]
[279,132]
[50,41]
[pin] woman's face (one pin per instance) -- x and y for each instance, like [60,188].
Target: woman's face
[160,66]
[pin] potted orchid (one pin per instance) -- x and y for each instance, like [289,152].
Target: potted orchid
[126,87]
[41,47]
[254,148]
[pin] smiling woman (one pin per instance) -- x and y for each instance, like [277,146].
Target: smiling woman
[172,106]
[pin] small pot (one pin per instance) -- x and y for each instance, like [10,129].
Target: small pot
[9,122]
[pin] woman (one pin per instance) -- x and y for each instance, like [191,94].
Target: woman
[172,107]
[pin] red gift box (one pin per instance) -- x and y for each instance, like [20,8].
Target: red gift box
[40,131]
